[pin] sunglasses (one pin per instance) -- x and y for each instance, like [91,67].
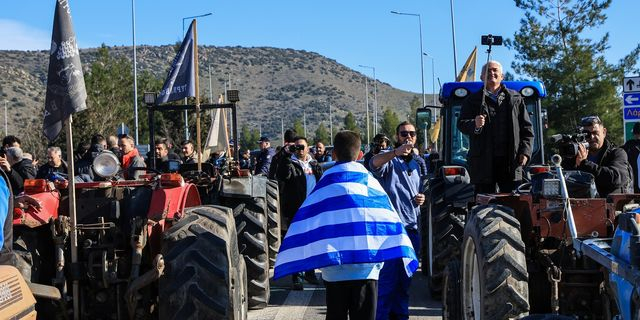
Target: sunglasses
[590,120]
[405,134]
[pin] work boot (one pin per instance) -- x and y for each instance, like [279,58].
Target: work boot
[310,276]
[297,282]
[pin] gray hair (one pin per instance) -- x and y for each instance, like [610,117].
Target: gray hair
[484,67]
[55,149]
[15,153]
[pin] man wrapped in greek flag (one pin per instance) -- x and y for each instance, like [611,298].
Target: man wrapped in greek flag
[347,227]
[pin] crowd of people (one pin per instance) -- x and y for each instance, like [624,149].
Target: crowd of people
[371,285]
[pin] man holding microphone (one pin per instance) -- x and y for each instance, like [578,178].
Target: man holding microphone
[500,133]
[399,174]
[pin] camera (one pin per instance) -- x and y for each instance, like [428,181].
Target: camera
[568,144]
[491,40]
[294,148]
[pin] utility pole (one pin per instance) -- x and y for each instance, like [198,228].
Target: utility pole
[304,122]
[366,99]
[330,124]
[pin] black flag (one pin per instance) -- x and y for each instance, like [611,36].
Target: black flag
[66,93]
[181,80]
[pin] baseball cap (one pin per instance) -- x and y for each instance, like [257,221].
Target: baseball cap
[263,139]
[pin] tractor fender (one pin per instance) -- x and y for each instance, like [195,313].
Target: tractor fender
[249,187]
[170,202]
[458,190]
[32,218]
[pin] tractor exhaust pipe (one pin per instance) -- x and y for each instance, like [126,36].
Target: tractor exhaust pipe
[556,159]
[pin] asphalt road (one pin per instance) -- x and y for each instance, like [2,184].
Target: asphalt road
[286,304]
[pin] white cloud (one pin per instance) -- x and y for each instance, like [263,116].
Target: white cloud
[18,36]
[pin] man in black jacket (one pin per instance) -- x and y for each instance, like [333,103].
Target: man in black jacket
[17,168]
[299,173]
[607,163]
[500,133]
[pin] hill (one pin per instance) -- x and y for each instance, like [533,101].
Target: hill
[274,84]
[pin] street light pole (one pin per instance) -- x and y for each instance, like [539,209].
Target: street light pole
[433,77]
[135,68]
[375,98]
[453,33]
[186,114]
[330,124]
[424,98]
[6,130]
[366,99]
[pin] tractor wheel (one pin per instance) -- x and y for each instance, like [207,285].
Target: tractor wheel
[494,267]
[444,238]
[273,220]
[452,298]
[203,276]
[251,223]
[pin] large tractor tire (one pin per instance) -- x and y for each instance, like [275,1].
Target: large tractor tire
[273,220]
[204,275]
[452,297]
[443,237]
[251,223]
[494,268]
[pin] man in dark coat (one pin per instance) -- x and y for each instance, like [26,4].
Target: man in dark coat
[17,168]
[607,163]
[54,164]
[265,157]
[500,133]
[298,173]
[632,148]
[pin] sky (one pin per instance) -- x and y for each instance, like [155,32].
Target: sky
[353,33]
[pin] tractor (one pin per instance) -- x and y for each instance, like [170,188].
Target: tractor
[194,242]
[541,249]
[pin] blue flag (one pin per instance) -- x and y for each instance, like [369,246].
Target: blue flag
[181,80]
[347,219]
[66,93]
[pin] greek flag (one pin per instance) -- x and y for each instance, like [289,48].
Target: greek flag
[347,219]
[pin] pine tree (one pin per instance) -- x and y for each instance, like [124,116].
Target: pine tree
[350,123]
[298,127]
[552,46]
[322,135]
[389,122]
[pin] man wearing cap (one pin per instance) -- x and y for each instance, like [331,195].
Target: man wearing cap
[632,148]
[380,142]
[606,162]
[265,156]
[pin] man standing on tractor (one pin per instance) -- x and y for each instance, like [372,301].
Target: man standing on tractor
[265,156]
[500,133]
[399,174]
[606,162]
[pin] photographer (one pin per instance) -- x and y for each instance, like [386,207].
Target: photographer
[298,173]
[606,162]
[380,142]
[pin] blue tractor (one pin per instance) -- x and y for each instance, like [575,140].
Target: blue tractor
[547,250]
[448,188]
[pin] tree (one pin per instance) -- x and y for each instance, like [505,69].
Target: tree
[298,127]
[350,123]
[389,122]
[551,46]
[322,135]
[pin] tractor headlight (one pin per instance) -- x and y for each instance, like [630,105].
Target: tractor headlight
[527,91]
[106,164]
[551,188]
[461,92]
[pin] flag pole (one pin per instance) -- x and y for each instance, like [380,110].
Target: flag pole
[195,59]
[72,217]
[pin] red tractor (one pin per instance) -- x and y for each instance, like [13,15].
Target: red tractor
[186,244]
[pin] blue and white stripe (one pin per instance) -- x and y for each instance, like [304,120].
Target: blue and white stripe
[346,219]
